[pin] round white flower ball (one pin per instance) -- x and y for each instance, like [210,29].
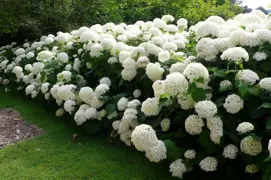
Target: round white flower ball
[235,54]
[193,125]
[208,164]
[163,56]
[150,107]
[245,127]
[248,76]
[196,71]
[115,125]
[177,168]
[157,152]
[251,146]
[206,109]
[225,85]
[105,80]
[190,154]
[251,169]
[122,104]
[143,137]
[175,84]
[230,151]
[63,57]
[233,104]
[165,124]
[137,93]
[154,71]
[265,84]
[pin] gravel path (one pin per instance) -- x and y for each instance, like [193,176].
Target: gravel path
[13,128]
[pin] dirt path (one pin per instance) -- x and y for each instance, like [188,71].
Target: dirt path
[13,128]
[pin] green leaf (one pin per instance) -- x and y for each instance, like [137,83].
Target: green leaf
[265,105]
[205,140]
[220,73]
[220,101]
[268,159]
[256,137]
[173,152]
[110,108]
[166,95]
[268,125]
[242,87]
[254,91]
[198,94]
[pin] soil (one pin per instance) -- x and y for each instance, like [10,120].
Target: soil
[14,128]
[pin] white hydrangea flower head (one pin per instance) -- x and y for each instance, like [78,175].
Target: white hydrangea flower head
[260,56]
[29,89]
[128,74]
[112,60]
[134,104]
[167,18]
[265,84]
[91,113]
[79,117]
[251,168]
[230,151]
[142,62]
[37,67]
[245,127]
[54,90]
[215,125]
[65,92]
[63,57]
[129,63]
[60,112]
[45,56]
[251,146]
[248,76]
[163,56]
[86,94]
[205,109]
[177,67]
[96,102]
[196,71]
[154,71]
[208,164]
[177,168]
[158,88]
[105,80]
[34,94]
[64,76]
[165,124]
[233,104]
[115,125]
[143,137]
[137,93]
[101,89]
[175,84]
[69,106]
[225,85]
[186,101]
[208,28]
[122,104]
[193,125]
[157,152]
[235,54]
[150,107]
[190,154]
[124,55]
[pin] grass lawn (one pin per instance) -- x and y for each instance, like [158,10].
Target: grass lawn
[54,155]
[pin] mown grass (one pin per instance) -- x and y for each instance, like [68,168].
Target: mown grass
[55,156]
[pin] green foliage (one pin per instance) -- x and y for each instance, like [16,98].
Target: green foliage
[30,19]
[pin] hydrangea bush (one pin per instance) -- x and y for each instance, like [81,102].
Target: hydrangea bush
[196,97]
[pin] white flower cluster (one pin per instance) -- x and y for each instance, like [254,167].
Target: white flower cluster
[251,169]
[251,146]
[230,151]
[245,127]
[233,104]
[177,168]
[208,164]
[144,138]
[219,36]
